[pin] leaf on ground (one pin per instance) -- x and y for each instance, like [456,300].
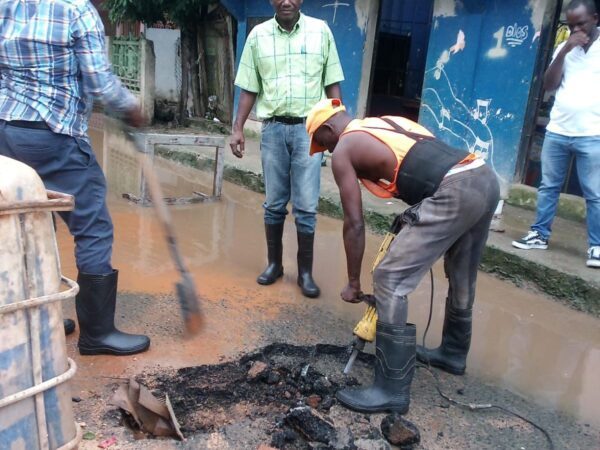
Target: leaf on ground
[89,436]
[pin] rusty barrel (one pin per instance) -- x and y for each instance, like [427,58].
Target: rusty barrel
[35,401]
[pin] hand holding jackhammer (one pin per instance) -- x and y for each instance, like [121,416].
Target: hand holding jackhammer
[365,329]
[352,293]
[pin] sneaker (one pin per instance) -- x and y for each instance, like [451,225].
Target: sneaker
[594,256]
[532,240]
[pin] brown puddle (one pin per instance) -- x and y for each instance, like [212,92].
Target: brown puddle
[521,341]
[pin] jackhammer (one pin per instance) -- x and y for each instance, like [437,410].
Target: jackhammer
[365,329]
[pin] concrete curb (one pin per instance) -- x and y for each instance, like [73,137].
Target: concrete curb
[570,207]
[567,289]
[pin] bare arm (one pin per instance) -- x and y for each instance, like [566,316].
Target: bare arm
[237,142]
[354,226]
[554,74]
[333,91]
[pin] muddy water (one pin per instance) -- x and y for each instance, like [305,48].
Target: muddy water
[521,340]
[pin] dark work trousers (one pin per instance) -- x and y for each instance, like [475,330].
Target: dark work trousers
[67,164]
[453,223]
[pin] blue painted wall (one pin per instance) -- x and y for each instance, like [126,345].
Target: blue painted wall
[343,21]
[479,71]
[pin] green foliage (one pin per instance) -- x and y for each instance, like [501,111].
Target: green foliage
[185,13]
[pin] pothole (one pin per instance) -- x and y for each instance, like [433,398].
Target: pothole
[281,396]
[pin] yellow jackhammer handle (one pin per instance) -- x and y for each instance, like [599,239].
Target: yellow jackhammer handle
[366,327]
[383,248]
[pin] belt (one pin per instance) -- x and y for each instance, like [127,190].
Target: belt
[37,125]
[285,119]
[458,168]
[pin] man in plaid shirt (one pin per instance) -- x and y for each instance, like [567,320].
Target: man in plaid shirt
[52,64]
[289,63]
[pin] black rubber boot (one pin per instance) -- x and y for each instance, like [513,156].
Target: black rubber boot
[451,356]
[305,262]
[274,268]
[394,370]
[95,305]
[69,326]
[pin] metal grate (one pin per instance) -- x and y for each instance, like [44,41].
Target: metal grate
[126,58]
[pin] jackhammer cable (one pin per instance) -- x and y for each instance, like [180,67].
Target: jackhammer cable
[430,306]
[483,406]
[470,406]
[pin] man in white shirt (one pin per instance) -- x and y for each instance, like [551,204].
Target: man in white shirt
[574,128]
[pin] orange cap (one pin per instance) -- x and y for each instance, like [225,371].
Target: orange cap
[318,115]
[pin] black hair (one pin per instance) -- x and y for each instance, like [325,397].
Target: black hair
[590,5]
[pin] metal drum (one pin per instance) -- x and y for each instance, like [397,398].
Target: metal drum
[35,403]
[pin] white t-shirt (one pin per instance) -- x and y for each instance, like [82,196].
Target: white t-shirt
[576,110]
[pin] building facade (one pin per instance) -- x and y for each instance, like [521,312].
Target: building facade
[469,70]
[484,62]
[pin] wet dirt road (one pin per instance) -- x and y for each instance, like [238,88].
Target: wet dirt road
[521,340]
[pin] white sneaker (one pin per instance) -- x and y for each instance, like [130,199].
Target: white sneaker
[594,257]
[532,240]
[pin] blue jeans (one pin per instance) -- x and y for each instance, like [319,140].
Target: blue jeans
[66,164]
[556,155]
[290,173]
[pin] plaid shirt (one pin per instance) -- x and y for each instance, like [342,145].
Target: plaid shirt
[289,71]
[53,62]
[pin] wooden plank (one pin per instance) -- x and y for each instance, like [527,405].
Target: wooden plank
[219,167]
[149,151]
[185,139]
[198,197]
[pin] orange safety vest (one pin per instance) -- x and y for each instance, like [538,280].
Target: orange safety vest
[400,144]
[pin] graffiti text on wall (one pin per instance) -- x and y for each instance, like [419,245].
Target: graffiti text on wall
[516,35]
[335,5]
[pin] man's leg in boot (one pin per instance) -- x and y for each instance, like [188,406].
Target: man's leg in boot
[96,304]
[395,345]
[305,264]
[394,370]
[96,301]
[274,270]
[68,165]
[451,355]
[306,185]
[275,161]
[69,326]
[461,264]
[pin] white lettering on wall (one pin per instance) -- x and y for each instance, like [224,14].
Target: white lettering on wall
[516,35]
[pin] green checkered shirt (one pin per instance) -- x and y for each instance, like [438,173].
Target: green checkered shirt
[289,71]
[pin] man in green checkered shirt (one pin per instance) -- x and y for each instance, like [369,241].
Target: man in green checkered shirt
[289,63]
